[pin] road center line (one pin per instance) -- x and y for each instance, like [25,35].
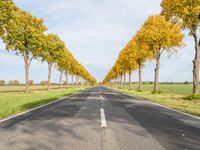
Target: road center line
[101,98]
[103,118]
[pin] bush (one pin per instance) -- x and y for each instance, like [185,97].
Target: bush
[65,83]
[194,97]
[138,90]
[186,82]
[31,82]
[158,92]
[43,82]
[2,82]
[14,82]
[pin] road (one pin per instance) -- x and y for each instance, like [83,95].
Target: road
[101,119]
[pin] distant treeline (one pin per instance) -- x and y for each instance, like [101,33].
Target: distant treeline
[31,82]
[167,82]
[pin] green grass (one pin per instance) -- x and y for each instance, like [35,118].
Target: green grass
[175,100]
[15,102]
[21,88]
[183,89]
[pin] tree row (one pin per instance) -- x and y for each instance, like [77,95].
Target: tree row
[159,34]
[26,35]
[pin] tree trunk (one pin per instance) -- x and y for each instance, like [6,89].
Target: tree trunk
[130,72]
[196,62]
[156,73]
[118,82]
[72,79]
[66,79]
[26,62]
[49,75]
[61,73]
[75,83]
[121,81]
[140,76]
[124,80]
[78,80]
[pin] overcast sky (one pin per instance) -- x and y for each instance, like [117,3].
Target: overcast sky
[95,32]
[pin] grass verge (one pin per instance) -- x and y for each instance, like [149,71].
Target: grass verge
[13,103]
[21,88]
[171,100]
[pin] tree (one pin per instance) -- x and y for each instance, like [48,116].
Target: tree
[14,82]
[187,13]
[53,49]
[44,83]
[7,12]
[161,35]
[129,61]
[142,54]
[69,65]
[63,65]
[24,35]
[2,82]
[31,82]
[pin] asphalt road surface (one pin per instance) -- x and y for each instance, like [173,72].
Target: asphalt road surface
[101,119]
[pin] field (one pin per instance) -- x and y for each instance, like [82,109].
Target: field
[184,89]
[172,96]
[21,88]
[13,102]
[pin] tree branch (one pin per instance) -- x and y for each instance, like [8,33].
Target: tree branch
[30,61]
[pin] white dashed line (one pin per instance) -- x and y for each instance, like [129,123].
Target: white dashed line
[101,98]
[103,119]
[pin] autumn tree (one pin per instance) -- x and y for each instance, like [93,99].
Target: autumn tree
[53,50]
[122,67]
[24,36]
[7,13]
[142,54]
[69,65]
[129,61]
[187,13]
[161,35]
[61,65]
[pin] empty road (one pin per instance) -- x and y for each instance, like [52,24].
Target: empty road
[101,119]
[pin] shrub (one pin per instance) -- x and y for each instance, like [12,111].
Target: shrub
[14,82]
[31,82]
[186,82]
[43,82]
[158,92]
[2,82]
[194,97]
[138,90]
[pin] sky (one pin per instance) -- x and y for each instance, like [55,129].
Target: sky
[95,32]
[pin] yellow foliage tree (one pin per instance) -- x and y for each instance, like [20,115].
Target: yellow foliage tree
[160,35]
[186,13]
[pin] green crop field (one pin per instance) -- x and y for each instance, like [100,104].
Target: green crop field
[15,102]
[185,89]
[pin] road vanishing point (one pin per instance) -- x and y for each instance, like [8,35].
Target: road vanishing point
[100,118]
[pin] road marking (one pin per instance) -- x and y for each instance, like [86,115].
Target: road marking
[103,119]
[101,98]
